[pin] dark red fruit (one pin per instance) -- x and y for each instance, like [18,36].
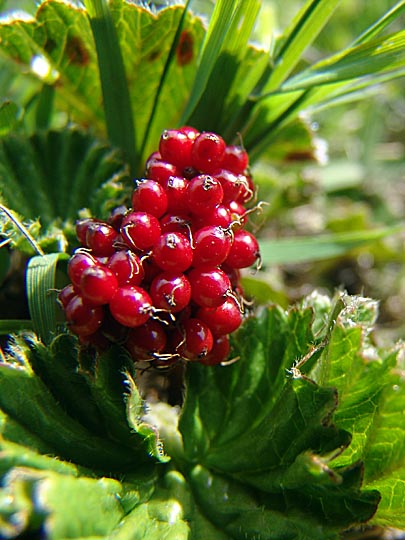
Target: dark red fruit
[244,251]
[140,230]
[83,319]
[127,267]
[77,264]
[175,146]
[66,294]
[211,246]
[149,196]
[220,216]
[204,193]
[173,252]
[131,306]
[98,285]
[170,291]
[146,340]
[208,151]
[209,286]
[197,340]
[222,320]
[235,159]
[176,188]
[160,171]
[100,238]
[219,352]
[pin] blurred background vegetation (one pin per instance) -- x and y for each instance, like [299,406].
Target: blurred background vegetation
[359,183]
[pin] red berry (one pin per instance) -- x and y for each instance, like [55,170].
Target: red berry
[244,250]
[77,264]
[66,294]
[98,285]
[140,230]
[235,159]
[131,306]
[171,291]
[100,238]
[208,151]
[149,196]
[204,193]
[209,286]
[176,188]
[83,319]
[116,216]
[219,352]
[175,223]
[231,184]
[211,246]
[248,189]
[173,252]
[175,147]
[81,229]
[220,216]
[197,340]
[223,319]
[160,171]
[127,267]
[144,341]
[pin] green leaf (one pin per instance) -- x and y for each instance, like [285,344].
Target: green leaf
[68,170]
[301,249]
[258,426]
[303,30]
[41,293]
[8,117]
[69,413]
[116,99]
[380,55]
[372,394]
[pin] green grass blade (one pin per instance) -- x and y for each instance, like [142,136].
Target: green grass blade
[380,55]
[315,248]
[380,25]
[228,33]
[163,77]
[302,32]
[10,326]
[8,116]
[41,293]
[117,104]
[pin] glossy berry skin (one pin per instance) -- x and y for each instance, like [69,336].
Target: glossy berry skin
[149,196]
[176,189]
[66,294]
[140,230]
[209,286]
[100,238]
[208,151]
[211,246]
[82,226]
[219,352]
[160,171]
[127,267]
[144,341]
[170,291]
[83,319]
[248,190]
[173,252]
[116,217]
[175,146]
[220,216]
[204,193]
[98,285]
[77,264]
[235,159]
[222,320]
[173,222]
[131,306]
[231,184]
[244,251]
[197,340]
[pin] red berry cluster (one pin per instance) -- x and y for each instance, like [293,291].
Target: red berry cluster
[162,277]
